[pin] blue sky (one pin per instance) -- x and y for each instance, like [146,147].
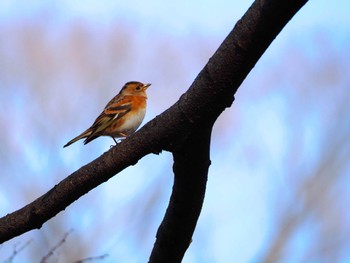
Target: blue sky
[241,191]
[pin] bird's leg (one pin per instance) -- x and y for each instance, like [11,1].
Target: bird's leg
[114,141]
[122,134]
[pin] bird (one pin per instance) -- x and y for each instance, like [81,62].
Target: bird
[122,115]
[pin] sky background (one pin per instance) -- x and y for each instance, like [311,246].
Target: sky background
[279,180]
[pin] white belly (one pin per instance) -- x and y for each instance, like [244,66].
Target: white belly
[132,122]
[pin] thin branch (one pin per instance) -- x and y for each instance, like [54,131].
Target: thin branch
[54,248]
[102,257]
[17,250]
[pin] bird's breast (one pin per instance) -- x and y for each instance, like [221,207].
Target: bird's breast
[133,119]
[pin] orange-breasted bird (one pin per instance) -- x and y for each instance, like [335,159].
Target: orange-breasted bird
[121,116]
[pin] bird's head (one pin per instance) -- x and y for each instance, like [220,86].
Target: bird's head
[135,88]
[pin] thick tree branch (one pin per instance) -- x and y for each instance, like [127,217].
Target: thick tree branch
[224,73]
[209,95]
[191,164]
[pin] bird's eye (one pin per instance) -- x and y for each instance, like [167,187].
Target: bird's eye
[138,88]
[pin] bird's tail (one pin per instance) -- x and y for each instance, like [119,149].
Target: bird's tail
[85,134]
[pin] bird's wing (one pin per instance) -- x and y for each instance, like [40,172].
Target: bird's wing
[114,110]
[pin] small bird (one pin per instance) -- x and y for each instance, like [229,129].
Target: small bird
[121,116]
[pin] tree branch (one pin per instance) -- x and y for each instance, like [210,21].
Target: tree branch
[191,164]
[224,73]
[174,130]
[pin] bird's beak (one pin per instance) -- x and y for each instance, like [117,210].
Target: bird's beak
[145,86]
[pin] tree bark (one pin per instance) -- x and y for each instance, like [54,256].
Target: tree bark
[184,129]
[191,163]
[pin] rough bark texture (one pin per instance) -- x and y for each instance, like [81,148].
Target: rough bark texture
[184,129]
[191,164]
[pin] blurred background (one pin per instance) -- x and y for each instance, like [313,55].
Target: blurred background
[279,182]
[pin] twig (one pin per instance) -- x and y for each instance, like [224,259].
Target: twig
[17,251]
[92,258]
[52,251]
